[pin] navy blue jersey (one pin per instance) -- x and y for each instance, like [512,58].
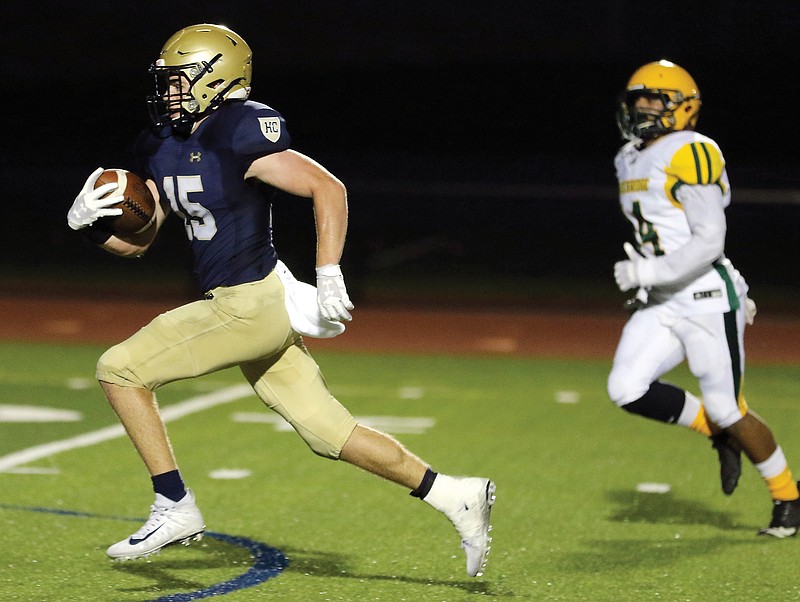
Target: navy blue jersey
[227,219]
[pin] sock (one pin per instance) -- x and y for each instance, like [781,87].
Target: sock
[169,484]
[700,424]
[693,416]
[440,495]
[425,486]
[775,472]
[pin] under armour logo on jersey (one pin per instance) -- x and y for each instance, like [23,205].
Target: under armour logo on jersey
[270,127]
[194,157]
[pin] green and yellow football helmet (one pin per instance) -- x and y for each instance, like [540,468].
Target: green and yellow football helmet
[667,82]
[198,68]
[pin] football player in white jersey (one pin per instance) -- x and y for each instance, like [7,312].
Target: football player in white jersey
[690,302]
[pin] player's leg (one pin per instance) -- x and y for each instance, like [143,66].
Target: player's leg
[137,410]
[715,350]
[384,456]
[174,516]
[466,501]
[648,349]
[729,454]
[291,384]
[239,323]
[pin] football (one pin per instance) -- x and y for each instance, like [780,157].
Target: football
[138,205]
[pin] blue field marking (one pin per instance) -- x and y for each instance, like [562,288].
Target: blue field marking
[267,562]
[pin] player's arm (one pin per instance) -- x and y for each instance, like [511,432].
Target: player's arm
[136,245]
[299,175]
[696,184]
[92,204]
[704,210]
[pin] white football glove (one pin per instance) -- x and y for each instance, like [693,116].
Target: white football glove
[331,293]
[750,311]
[626,272]
[88,206]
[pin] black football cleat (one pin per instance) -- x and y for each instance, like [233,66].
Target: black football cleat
[730,461]
[785,519]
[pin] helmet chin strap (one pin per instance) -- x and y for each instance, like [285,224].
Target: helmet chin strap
[183,127]
[186,123]
[240,94]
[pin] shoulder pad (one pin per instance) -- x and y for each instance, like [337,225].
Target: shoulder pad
[260,131]
[699,162]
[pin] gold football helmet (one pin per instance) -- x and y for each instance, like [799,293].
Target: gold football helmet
[670,84]
[198,68]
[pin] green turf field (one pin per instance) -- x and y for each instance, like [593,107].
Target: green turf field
[568,522]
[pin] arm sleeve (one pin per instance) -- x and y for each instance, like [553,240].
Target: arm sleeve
[705,212]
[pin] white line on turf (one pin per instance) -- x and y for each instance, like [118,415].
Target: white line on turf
[230,473]
[169,413]
[653,488]
[412,425]
[33,470]
[567,397]
[16,413]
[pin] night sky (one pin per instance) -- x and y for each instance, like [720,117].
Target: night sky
[499,94]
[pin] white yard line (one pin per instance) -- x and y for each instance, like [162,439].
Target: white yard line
[396,425]
[170,413]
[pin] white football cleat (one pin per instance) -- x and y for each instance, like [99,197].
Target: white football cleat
[169,523]
[467,502]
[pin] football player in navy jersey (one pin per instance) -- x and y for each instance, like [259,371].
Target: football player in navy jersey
[208,147]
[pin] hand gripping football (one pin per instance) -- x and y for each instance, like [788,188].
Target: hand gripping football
[138,205]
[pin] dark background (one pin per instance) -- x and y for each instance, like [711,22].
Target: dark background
[476,139]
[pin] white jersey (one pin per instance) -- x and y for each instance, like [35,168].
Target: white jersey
[649,179]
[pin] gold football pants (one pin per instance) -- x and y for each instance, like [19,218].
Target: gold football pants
[247,326]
